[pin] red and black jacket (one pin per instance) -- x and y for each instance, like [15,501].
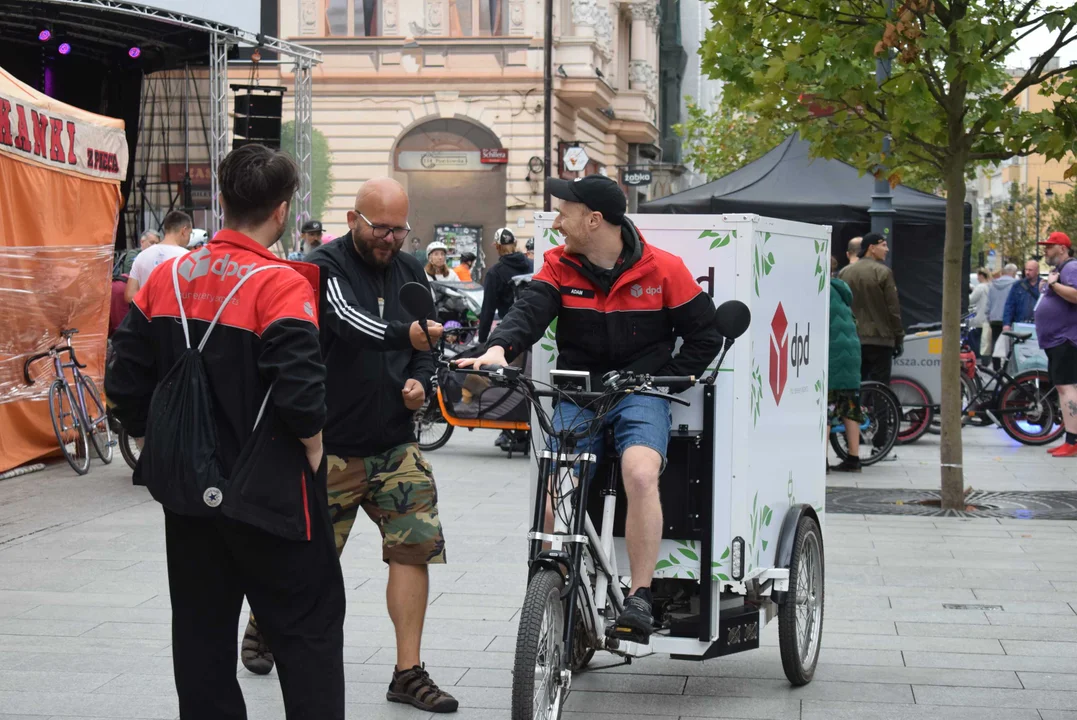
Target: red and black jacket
[266,337]
[633,326]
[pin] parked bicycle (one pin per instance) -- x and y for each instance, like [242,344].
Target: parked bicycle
[878,430]
[79,417]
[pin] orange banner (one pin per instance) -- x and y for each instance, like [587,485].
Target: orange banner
[57,229]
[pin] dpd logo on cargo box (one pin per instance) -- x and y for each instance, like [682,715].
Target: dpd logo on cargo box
[785,352]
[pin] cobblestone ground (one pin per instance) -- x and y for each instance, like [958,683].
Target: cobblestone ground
[84,618]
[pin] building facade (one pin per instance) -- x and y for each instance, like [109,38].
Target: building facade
[992,187]
[446,96]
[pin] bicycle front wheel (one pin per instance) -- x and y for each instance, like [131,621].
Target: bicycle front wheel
[68,426]
[539,673]
[97,424]
[1028,409]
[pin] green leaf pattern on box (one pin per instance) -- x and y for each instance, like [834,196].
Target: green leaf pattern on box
[549,341]
[762,261]
[822,264]
[718,239]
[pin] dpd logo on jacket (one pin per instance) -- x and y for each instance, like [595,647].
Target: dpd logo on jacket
[195,265]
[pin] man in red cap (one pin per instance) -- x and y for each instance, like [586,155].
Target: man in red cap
[1056,331]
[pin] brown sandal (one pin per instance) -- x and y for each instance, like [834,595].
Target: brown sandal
[254,652]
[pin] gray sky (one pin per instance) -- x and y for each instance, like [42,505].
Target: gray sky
[1038,42]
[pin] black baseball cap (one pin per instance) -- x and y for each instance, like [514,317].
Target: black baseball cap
[598,192]
[312,226]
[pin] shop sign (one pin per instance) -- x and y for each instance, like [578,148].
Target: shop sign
[636,178]
[492,156]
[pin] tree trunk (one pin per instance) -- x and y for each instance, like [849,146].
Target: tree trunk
[953,285]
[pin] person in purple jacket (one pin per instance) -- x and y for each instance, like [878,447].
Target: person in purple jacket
[1056,331]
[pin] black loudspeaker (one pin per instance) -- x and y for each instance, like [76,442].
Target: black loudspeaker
[258,112]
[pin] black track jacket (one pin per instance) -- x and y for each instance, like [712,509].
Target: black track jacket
[653,300]
[367,350]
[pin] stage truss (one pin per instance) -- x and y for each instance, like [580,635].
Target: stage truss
[222,38]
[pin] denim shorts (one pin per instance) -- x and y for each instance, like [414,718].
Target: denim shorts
[636,420]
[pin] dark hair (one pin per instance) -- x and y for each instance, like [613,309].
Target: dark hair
[254,181]
[176,221]
[467,257]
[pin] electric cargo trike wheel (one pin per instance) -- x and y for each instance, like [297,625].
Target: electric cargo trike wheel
[431,429]
[1029,409]
[879,431]
[800,617]
[539,673]
[916,410]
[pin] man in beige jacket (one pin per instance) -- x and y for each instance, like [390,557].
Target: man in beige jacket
[875,305]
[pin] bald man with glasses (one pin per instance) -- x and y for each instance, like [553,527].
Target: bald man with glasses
[379,373]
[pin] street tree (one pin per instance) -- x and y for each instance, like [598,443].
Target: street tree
[719,140]
[321,178]
[1062,209]
[1011,229]
[948,102]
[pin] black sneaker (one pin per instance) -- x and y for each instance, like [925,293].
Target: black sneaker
[255,653]
[635,622]
[414,687]
[503,439]
[848,465]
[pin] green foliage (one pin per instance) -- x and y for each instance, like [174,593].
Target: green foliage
[811,63]
[1062,210]
[321,179]
[950,103]
[724,138]
[1011,229]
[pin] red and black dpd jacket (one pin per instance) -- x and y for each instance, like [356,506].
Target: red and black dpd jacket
[634,326]
[267,336]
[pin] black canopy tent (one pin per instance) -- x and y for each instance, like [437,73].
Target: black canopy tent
[787,183]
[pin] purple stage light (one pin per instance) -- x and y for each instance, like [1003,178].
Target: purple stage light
[134,52]
[45,35]
[64,49]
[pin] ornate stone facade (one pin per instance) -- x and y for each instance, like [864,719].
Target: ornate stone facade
[643,76]
[308,17]
[435,17]
[390,17]
[646,11]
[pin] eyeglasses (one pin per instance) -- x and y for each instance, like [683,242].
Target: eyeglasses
[380,232]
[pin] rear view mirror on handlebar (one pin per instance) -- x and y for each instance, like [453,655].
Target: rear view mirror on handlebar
[417,301]
[732,318]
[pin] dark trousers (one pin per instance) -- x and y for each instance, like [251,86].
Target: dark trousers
[875,361]
[296,589]
[996,333]
[975,335]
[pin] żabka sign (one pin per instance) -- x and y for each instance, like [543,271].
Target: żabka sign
[59,141]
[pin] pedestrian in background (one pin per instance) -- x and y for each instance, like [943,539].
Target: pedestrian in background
[978,308]
[843,376]
[996,307]
[1056,332]
[1021,302]
[463,270]
[876,308]
[177,228]
[852,250]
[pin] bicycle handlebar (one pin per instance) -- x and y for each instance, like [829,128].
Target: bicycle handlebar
[55,349]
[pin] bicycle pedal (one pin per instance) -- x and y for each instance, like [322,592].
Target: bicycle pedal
[630,634]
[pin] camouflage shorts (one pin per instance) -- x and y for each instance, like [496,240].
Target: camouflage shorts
[396,490]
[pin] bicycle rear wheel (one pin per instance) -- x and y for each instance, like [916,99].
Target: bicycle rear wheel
[97,424]
[432,430]
[1029,410]
[879,431]
[916,410]
[69,428]
[129,448]
[539,673]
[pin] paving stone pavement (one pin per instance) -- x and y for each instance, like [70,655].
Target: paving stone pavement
[84,613]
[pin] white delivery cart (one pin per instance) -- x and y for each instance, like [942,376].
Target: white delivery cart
[744,488]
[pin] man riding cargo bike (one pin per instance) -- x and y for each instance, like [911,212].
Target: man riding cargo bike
[620,305]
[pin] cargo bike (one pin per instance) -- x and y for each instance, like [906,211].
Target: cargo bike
[742,492]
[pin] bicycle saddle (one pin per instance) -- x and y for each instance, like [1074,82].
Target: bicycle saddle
[1017,337]
[69,333]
